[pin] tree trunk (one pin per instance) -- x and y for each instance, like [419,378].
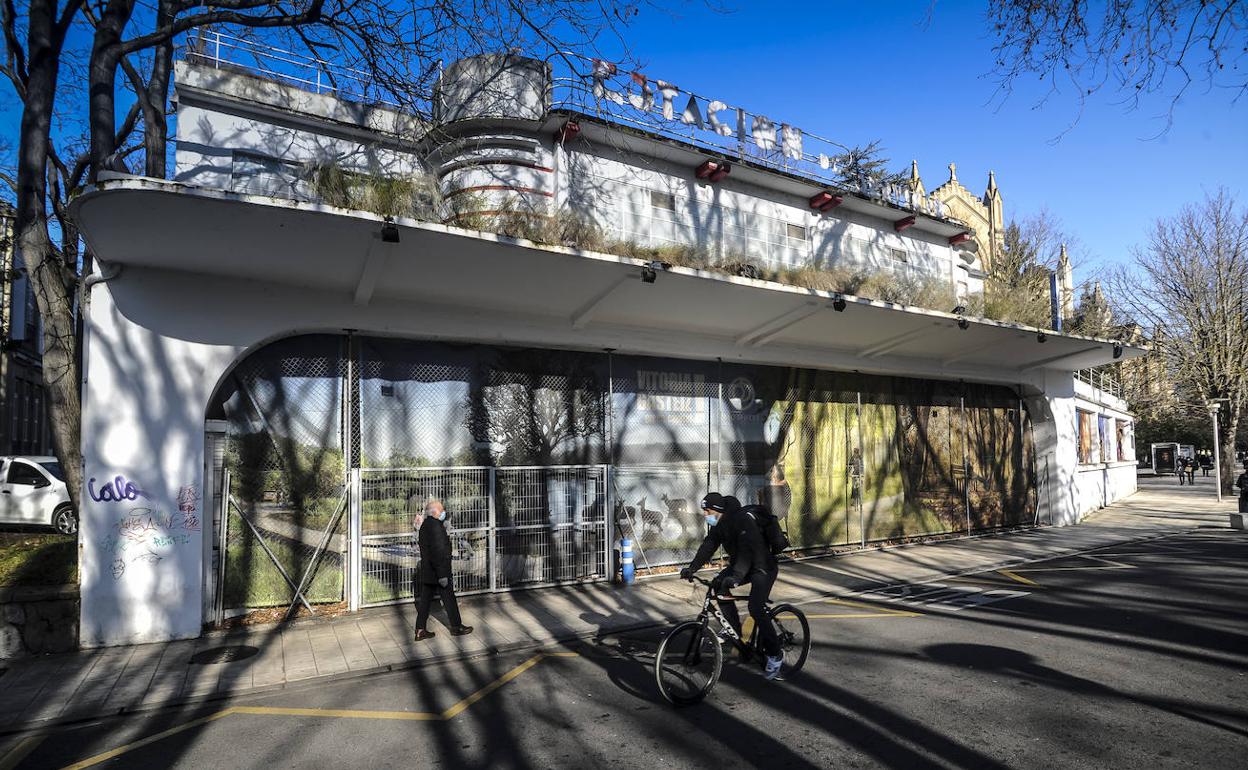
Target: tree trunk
[43,267]
[102,80]
[155,125]
[1230,430]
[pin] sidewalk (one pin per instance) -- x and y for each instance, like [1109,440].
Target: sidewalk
[97,683]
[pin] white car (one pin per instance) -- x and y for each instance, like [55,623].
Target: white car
[33,491]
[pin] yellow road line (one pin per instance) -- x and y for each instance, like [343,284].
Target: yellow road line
[107,755]
[15,755]
[408,716]
[502,680]
[1018,578]
[280,711]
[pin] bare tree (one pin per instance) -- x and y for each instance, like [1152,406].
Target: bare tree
[399,46]
[1132,47]
[1189,285]
[1017,286]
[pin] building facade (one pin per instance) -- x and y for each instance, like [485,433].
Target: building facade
[24,426]
[540,303]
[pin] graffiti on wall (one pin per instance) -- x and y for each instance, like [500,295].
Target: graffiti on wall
[142,534]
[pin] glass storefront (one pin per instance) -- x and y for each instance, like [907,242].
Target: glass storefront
[537,449]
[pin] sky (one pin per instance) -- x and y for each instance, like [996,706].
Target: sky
[916,75]
[858,71]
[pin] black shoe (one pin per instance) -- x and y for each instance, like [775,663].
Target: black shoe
[461,630]
[422,634]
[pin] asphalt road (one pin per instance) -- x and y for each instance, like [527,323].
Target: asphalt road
[1131,656]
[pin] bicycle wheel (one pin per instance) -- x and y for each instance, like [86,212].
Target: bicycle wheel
[688,662]
[794,632]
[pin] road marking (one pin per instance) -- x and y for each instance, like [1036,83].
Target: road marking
[15,755]
[873,611]
[282,711]
[408,716]
[1018,578]
[502,680]
[953,598]
[1106,564]
[107,755]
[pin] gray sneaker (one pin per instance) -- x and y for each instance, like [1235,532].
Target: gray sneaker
[772,671]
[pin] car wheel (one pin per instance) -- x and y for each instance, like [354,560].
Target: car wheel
[65,520]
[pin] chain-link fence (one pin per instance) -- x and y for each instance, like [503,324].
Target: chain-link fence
[392,509]
[286,510]
[509,527]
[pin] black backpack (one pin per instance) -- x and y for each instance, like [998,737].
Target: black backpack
[775,538]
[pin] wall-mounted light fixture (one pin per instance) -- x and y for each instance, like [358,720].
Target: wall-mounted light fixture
[838,304]
[964,324]
[825,201]
[650,270]
[1040,337]
[567,132]
[389,231]
[712,170]
[1117,350]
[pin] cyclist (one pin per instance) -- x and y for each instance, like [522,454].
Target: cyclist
[749,561]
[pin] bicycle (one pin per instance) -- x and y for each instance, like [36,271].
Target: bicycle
[690,657]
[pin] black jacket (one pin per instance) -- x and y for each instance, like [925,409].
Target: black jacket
[741,539]
[435,551]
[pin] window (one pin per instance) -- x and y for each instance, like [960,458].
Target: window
[1089,443]
[1106,434]
[899,254]
[24,473]
[1126,446]
[662,200]
[796,232]
[54,470]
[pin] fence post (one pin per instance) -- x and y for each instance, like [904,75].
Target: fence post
[222,546]
[608,523]
[492,540]
[355,545]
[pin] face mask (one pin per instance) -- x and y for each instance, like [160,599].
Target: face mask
[711,519]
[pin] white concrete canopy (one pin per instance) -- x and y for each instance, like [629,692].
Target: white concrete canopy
[165,225]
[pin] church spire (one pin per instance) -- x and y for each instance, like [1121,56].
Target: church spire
[1065,285]
[916,182]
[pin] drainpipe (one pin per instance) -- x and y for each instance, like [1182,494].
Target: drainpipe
[107,273]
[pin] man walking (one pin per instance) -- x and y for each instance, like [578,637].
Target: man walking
[434,572]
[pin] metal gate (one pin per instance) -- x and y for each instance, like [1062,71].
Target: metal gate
[510,527]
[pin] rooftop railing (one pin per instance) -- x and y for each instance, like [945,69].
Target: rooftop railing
[310,73]
[1104,379]
[600,89]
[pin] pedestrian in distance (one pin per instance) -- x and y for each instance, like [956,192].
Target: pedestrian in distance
[1242,483]
[1180,465]
[1191,471]
[433,575]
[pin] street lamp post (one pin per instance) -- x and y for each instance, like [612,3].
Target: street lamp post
[1215,406]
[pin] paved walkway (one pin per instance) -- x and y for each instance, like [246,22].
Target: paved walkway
[104,682]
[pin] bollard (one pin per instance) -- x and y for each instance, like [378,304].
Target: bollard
[627,573]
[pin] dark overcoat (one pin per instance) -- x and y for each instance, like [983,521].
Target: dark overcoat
[435,551]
